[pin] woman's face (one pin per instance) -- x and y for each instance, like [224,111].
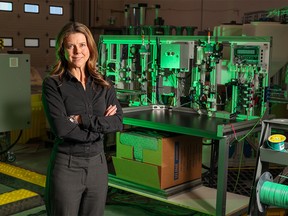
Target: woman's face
[76,51]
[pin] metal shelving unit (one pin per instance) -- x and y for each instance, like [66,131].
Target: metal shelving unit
[265,157]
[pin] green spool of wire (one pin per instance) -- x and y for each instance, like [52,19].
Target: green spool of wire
[276,142]
[269,193]
[274,194]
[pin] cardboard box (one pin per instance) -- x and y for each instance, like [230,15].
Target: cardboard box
[162,161]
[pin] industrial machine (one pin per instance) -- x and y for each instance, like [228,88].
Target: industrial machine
[204,86]
[217,76]
[15,97]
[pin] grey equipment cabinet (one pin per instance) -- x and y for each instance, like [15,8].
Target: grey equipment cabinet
[265,157]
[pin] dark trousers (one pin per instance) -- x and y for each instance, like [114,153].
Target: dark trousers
[76,186]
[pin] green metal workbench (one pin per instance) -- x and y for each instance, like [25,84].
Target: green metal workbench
[186,121]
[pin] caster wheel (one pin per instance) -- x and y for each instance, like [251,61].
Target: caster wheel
[11,157]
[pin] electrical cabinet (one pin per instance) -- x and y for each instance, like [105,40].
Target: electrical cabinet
[15,94]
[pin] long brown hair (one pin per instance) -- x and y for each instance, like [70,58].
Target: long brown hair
[61,63]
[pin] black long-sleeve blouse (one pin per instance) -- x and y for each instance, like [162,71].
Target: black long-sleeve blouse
[67,97]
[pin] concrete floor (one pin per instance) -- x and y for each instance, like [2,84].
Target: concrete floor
[34,156]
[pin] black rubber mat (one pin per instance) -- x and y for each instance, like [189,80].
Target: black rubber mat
[21,205]
[14,207]
[18,184]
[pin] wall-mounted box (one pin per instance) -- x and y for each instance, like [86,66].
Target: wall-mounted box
[175,56]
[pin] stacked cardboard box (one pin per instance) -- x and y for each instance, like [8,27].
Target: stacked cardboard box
[156,159]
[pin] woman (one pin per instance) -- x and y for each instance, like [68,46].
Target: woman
[81,106]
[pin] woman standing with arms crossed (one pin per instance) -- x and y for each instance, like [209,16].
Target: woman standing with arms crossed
[81,106]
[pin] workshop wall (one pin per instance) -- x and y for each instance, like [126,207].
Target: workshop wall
[201,13]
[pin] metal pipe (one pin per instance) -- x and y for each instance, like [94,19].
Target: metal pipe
[202,11]
[126,16]
[142,14]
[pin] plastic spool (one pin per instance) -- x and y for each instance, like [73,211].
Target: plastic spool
[266,176]
[269,193]
[276,142]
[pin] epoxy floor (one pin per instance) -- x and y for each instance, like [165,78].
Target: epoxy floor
[34,157]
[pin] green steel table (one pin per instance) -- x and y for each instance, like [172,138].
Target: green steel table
[186,121]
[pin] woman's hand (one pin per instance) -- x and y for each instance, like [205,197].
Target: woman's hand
[111,110]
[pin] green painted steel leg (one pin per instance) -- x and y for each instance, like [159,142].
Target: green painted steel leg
[222,176]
